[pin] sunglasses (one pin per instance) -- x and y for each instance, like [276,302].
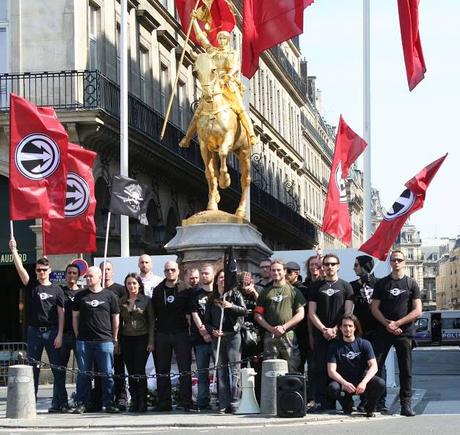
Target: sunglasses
[330,264]
[41,270]
[397,260]
[170,270]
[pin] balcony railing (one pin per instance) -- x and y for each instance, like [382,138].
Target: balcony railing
[90,90]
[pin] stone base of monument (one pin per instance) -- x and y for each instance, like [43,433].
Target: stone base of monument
[203,238]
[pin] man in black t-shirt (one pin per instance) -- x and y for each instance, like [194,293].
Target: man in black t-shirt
[265,280]
[200,338]
[171,301]
[95,324]
[70,289]
[352,367]
[329,300]
[45,316]
[121,397]
[396,305]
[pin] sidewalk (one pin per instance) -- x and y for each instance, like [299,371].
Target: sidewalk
[166,420]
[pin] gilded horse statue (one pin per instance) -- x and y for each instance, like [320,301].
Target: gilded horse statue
[220,131]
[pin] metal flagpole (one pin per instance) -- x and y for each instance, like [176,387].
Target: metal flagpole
[246,101]
[367,227]
[216,361]
[124,229]
[106,244]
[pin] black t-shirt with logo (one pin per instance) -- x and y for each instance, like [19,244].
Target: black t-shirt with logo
[96,311]
[199,300]
[362,310]
[42,302]
[351,358]
[117,289]
[396,297]
[330,300]
[171,306]
[69,296]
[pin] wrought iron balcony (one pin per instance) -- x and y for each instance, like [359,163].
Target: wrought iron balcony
[91,90]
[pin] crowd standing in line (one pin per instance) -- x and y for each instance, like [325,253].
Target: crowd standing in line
[338,332]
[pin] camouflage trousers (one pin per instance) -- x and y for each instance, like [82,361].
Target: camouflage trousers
[284,347]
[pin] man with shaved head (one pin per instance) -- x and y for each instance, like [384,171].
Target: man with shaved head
[149,279]
[95,323]
[171,301]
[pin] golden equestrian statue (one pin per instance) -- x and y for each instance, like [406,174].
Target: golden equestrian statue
[220,121]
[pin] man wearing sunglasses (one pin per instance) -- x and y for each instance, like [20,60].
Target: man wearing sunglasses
[329,300]
[45,316]
[396,305]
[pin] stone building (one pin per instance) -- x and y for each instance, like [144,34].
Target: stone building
[448,281]
[66,54]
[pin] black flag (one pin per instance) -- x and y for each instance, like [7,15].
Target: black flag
[230,269]
[130,198]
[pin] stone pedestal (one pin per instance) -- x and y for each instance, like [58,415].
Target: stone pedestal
[199,243]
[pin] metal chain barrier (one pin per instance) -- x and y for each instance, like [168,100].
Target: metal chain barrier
[45,365]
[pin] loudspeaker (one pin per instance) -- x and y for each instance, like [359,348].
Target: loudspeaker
[290,395]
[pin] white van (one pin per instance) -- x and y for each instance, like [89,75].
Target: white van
[438,328]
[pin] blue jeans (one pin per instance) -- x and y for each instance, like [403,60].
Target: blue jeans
[68,344]
[100,352]
[203,355]
[36,341]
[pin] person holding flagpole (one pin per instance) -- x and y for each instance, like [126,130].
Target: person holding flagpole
[45,316]
[224,317]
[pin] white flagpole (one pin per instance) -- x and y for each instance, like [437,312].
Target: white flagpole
[124,229]
[367,224]
[11,230]
[106,246]
[216,362]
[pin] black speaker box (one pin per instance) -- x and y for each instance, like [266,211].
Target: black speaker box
[290,395]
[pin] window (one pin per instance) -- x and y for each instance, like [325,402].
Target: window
[94,29]
[421,325]
[164,88]
[145,75]
[181,101]
[410,254]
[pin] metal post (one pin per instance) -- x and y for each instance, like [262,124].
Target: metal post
[246,100]
[367,227]
[124,230]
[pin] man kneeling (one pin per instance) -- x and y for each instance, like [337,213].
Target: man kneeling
[352,367]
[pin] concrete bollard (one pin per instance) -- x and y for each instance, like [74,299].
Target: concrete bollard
[271,369]
[248,402]
[20,402]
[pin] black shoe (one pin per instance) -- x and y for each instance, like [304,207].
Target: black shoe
[142,407]
[94,408]
[111,409]
[54,410]
[186,408]
[205,408]
[317,409]
[160,408]
[370,414]
[407,411]
[121,405]
[381,408]
[79,409]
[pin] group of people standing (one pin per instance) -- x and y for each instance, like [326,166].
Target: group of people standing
[308,323]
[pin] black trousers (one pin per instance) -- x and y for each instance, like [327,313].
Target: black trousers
[374,390]
[403,347]
[165,343]
[322,379]
[134,353]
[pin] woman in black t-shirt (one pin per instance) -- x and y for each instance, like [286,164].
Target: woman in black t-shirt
[136,338]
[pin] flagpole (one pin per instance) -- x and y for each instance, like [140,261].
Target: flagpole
[106,244]
[367,224]
[43,240]
[11,230]
[124,155]
[179,64]
[216,361]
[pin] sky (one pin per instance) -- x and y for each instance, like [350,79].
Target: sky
[408,129]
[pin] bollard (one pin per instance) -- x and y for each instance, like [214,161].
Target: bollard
[271,369]
[20,402]
[248,403]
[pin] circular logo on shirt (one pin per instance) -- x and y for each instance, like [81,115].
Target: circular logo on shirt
[44,296]
[95,303]
[397,291]
[170,299]
[37,156]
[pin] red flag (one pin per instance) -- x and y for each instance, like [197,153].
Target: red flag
[409,202]
[412,47]
[77,231]
[267,23]
[38,156]
[348,147]
[217,12]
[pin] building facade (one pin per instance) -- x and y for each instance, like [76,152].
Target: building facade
[66,54]
[447,281]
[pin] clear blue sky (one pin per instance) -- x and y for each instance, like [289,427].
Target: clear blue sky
[408,129]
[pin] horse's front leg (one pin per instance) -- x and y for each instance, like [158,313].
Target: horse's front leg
[211,178]
[244,156]
[224,176]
